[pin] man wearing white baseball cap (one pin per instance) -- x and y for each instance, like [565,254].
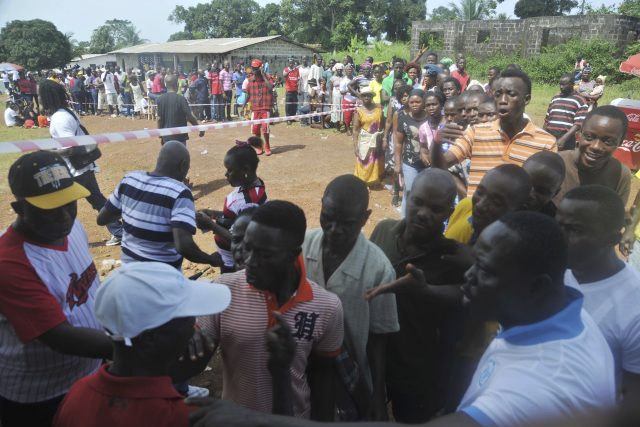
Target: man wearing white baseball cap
[148,309]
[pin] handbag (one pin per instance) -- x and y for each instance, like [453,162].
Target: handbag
[83,155]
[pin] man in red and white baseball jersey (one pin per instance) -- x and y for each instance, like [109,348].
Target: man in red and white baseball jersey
[275,280]
[49,336]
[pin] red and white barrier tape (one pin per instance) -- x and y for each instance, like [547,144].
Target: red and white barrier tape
[53,143]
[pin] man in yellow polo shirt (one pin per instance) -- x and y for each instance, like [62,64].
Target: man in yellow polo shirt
[502,190]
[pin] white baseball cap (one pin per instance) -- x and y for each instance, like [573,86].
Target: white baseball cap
[144,295]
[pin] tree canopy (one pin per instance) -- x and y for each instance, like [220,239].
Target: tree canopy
[530,8]
[34,44]
[218,19]
[114,34]
[331,25]
[630,8]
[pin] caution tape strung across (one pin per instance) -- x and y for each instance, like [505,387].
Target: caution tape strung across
[103,138]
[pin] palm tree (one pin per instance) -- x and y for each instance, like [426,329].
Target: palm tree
[471,10]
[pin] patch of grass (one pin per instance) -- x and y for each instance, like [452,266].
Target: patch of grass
[542,95]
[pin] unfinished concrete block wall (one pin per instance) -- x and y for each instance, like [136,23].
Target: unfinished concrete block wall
[525,36]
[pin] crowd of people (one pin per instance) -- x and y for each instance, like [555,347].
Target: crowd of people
[499,298]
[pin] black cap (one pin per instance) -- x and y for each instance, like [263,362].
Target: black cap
[43,179]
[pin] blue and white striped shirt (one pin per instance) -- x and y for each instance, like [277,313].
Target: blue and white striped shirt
[151,206]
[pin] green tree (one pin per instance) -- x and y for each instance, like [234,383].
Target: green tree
[185,35]
[443,13]
[77,48]
[602,10]
[218,19]
[34,44]
[394,17]
[472,10]
[114,34]
[331,25]
[266,22]
[530,8]
[630,8]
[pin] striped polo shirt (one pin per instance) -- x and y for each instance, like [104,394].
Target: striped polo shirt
[563,113]
[42,286]
[151,206]
[487,146]
[315,318]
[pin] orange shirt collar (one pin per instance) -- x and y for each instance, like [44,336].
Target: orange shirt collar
[304,293]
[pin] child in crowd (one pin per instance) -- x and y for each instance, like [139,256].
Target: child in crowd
[398,105]
[450,111]
[241,163]
[487,110]
[596,93]
[43,121]
[12,115]
[237,231]
[30,119]
[434,102]
[319,102]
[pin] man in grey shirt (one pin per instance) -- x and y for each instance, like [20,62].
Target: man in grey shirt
[339,258]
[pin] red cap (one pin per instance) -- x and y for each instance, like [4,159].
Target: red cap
[256,63]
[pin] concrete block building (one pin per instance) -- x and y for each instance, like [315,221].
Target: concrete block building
[187,55]
[524,36]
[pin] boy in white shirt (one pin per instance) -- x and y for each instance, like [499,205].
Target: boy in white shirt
[592,217]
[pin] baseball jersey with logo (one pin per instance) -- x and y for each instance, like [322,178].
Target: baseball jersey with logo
[41,286]
[315,318]
[558,367]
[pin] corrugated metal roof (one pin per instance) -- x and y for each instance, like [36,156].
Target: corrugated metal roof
[197,46]
[89,56]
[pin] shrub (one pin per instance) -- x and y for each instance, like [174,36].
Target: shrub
[555,61]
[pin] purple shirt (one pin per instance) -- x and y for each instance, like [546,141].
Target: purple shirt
[225,78]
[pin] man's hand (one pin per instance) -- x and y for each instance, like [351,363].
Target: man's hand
[414,280]
[627,241]
[280,345]
[194,358]
[204,221]
[450,132]
[216,260]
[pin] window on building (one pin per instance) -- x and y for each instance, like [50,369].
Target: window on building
[483,36]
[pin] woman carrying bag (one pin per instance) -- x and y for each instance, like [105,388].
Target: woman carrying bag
[81,160]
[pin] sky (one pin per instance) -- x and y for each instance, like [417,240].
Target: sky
[154,26]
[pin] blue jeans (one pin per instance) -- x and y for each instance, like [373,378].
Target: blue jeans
[128,103]
[303,98]
[409,174]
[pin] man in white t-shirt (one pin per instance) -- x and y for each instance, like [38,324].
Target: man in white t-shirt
[11,116]
[303,88]
[109,80]
[592,217]
[550,360]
